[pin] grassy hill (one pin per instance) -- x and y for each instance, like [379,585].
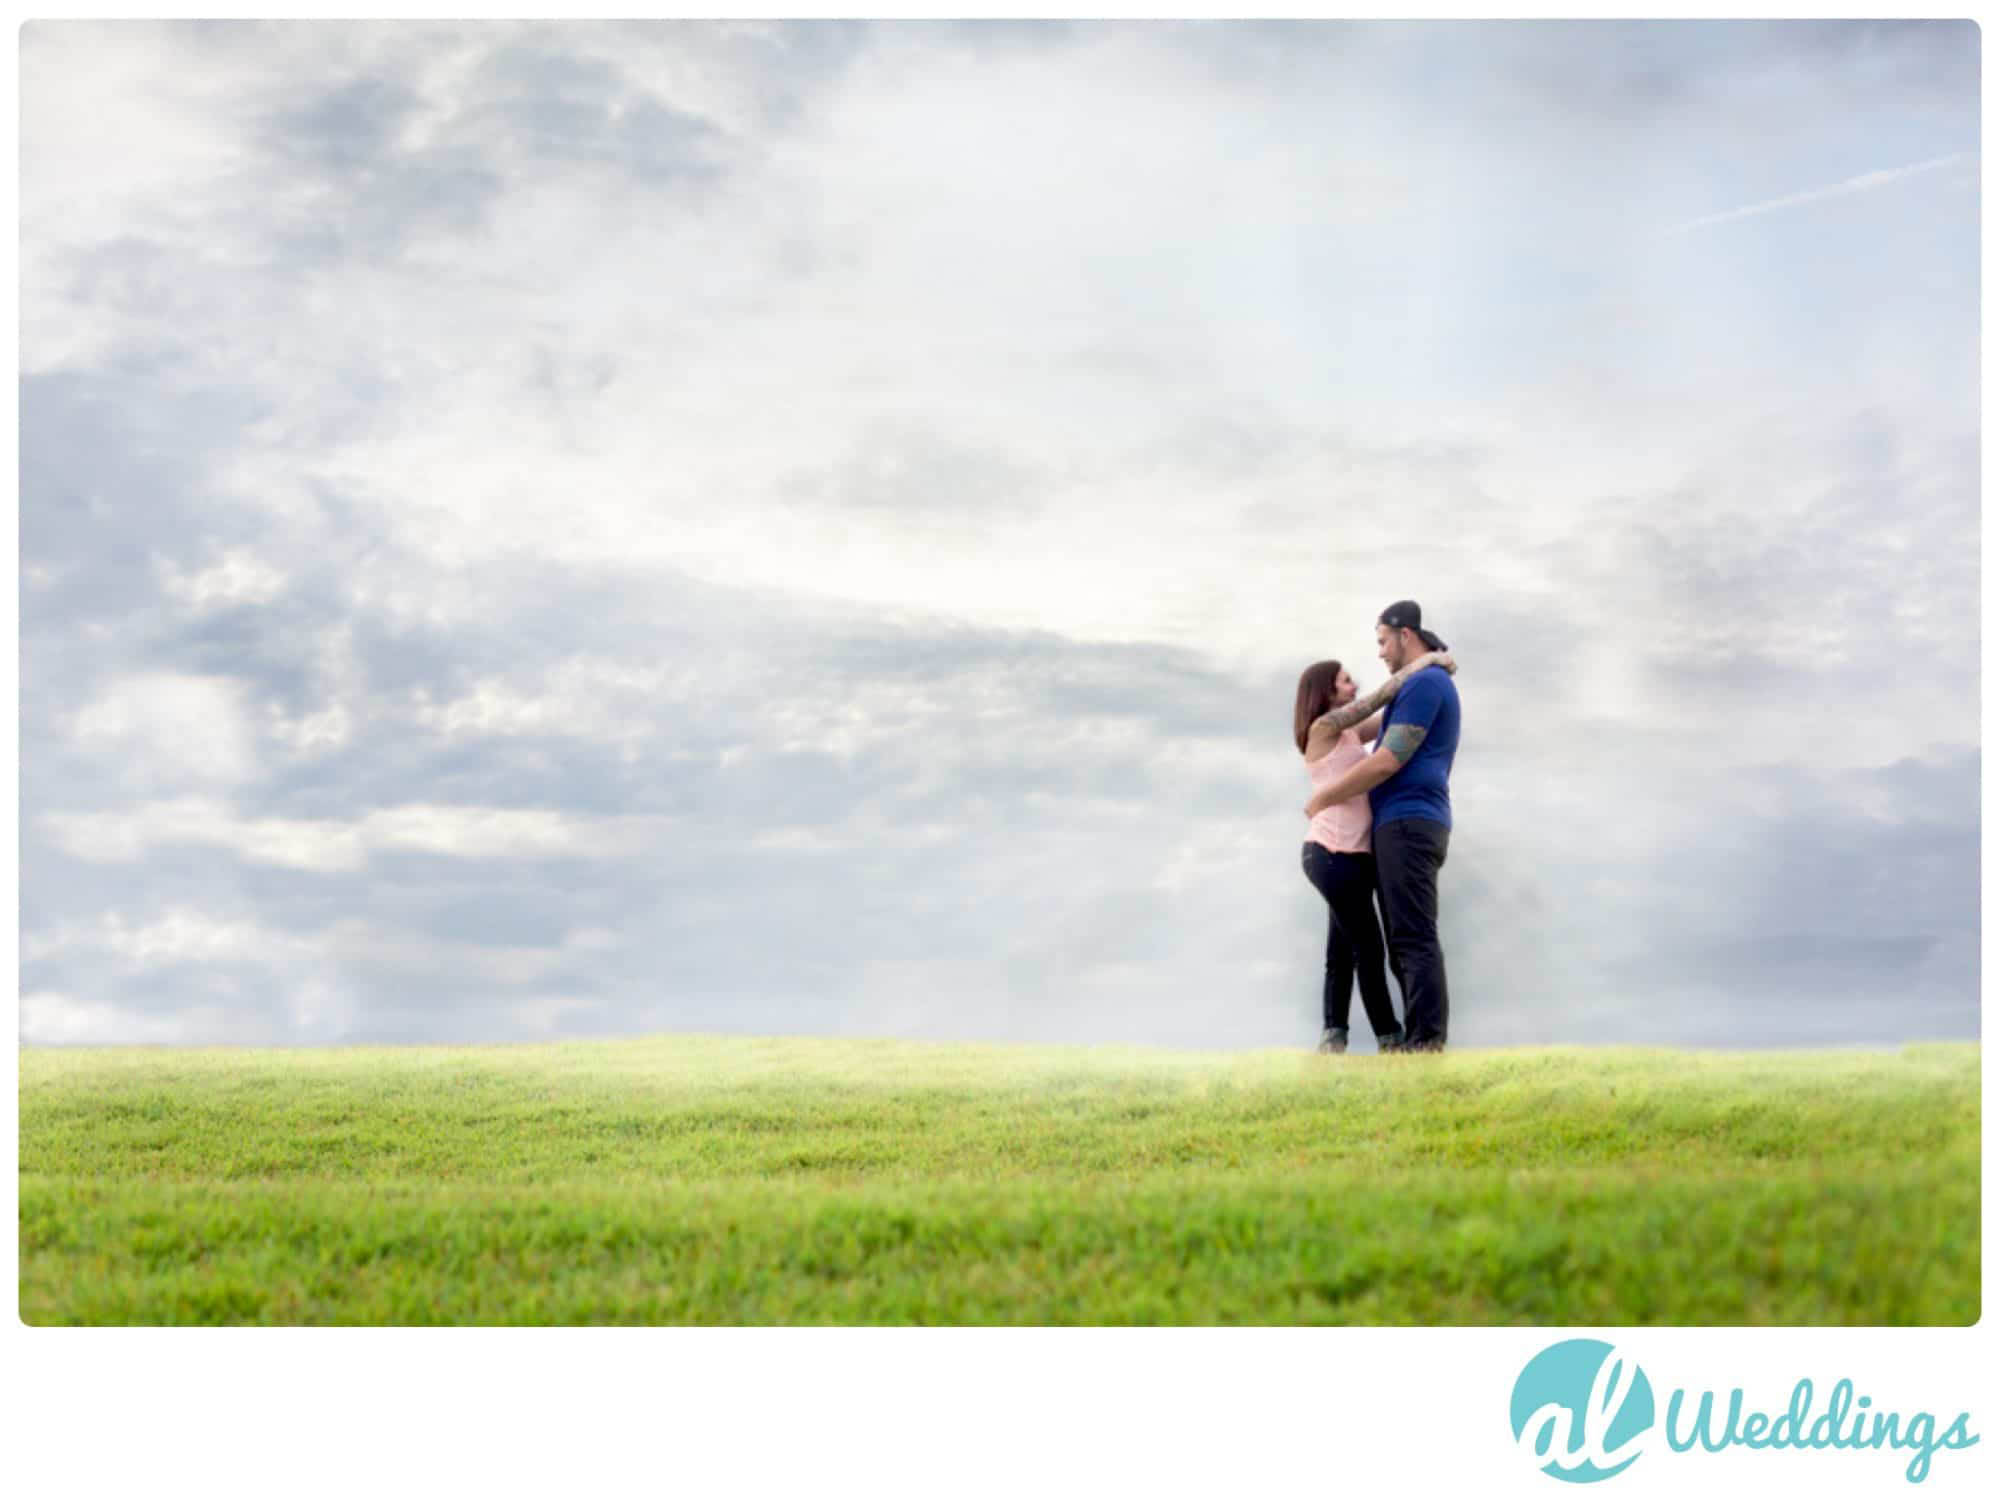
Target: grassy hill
[730,1180]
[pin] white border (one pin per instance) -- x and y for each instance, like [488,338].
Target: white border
[980,1407]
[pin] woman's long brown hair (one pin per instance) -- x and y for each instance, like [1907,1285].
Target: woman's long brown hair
[1316,686]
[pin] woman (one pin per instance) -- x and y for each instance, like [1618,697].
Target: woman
[1330,726]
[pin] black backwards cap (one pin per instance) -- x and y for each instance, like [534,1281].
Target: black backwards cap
[1408,614]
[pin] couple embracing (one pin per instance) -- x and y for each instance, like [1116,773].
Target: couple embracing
[1379,822]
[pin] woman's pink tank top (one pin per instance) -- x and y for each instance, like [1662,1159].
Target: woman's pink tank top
[1343,827]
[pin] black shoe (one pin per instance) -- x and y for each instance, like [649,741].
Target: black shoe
[1390,1043]
[1334,1041]
[1421,1047]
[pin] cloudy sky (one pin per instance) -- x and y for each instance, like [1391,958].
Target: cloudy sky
[539,531]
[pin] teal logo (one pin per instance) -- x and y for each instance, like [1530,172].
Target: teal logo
[1581,1411]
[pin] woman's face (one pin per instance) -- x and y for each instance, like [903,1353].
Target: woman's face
[1343,688]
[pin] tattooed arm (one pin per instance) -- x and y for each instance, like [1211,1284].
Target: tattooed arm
[1347,717]
[1390,757]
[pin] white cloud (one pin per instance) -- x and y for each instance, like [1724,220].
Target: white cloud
[164,727]
[319,1010]
[318,733]
[329,846]
[500,833]
[181,935]
[53,1017]
[238,577]
[126,836]
[590,698]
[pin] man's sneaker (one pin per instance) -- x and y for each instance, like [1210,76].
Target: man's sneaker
[1333,1042]
[1421,1047]
[1390,1043]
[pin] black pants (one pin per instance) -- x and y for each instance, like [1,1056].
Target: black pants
[1408,854]
[1353,940]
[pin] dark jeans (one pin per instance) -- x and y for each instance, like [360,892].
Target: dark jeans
[1353,941]
[1408,854]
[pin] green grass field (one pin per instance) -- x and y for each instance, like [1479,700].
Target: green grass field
[714,1180]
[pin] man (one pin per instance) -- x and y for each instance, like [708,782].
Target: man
[1407,778]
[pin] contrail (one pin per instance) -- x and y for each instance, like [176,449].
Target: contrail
[1866,182]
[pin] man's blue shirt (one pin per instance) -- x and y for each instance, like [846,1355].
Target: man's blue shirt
[1422,788]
